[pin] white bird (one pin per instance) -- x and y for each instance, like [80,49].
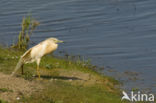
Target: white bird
[125,96]
[35,53]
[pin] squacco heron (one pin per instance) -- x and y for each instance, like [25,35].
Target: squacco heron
[35,53]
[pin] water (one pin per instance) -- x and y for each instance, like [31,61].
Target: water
[118,34]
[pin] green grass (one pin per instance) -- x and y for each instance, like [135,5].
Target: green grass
[5,90]
[8,59]
[2,101]
[61,90]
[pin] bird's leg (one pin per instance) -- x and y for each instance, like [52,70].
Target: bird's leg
[38,63]
[38,73]
[22,69]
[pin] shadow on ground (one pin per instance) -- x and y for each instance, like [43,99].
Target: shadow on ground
[60,77]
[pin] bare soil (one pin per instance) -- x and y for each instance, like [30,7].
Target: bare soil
[15,87]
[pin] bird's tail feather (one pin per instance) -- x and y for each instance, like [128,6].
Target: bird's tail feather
[19,65]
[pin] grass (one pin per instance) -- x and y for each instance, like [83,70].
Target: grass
[2,101]
[5,90]
[61,80]
[62,92]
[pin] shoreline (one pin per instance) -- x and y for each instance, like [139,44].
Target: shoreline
[60,78]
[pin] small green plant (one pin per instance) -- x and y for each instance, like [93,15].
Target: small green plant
[1,101]
[28,75]
[28,26]
[49,66]
[5,90]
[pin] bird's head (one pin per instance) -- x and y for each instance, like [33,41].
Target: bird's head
[55,40]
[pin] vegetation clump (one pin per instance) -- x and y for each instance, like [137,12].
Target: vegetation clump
[1,101]
[28,26]
[5,90]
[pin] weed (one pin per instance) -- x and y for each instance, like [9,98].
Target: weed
[28,26]
[5,90]
[28,75]
[2,101]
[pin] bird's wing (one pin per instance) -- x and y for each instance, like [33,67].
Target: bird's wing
[27,55]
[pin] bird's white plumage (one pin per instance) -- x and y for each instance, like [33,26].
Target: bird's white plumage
[35,53]
[42,49]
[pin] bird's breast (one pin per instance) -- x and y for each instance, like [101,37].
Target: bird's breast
[50,48]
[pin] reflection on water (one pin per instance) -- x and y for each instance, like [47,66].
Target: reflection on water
[116,33]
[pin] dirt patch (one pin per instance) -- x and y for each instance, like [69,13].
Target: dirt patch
[13,88]
[76,77]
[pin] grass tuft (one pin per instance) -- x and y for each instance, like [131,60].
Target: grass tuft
[2,101]
[28,26]
[5,90]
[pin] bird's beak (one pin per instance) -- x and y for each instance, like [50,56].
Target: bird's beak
[60,41]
